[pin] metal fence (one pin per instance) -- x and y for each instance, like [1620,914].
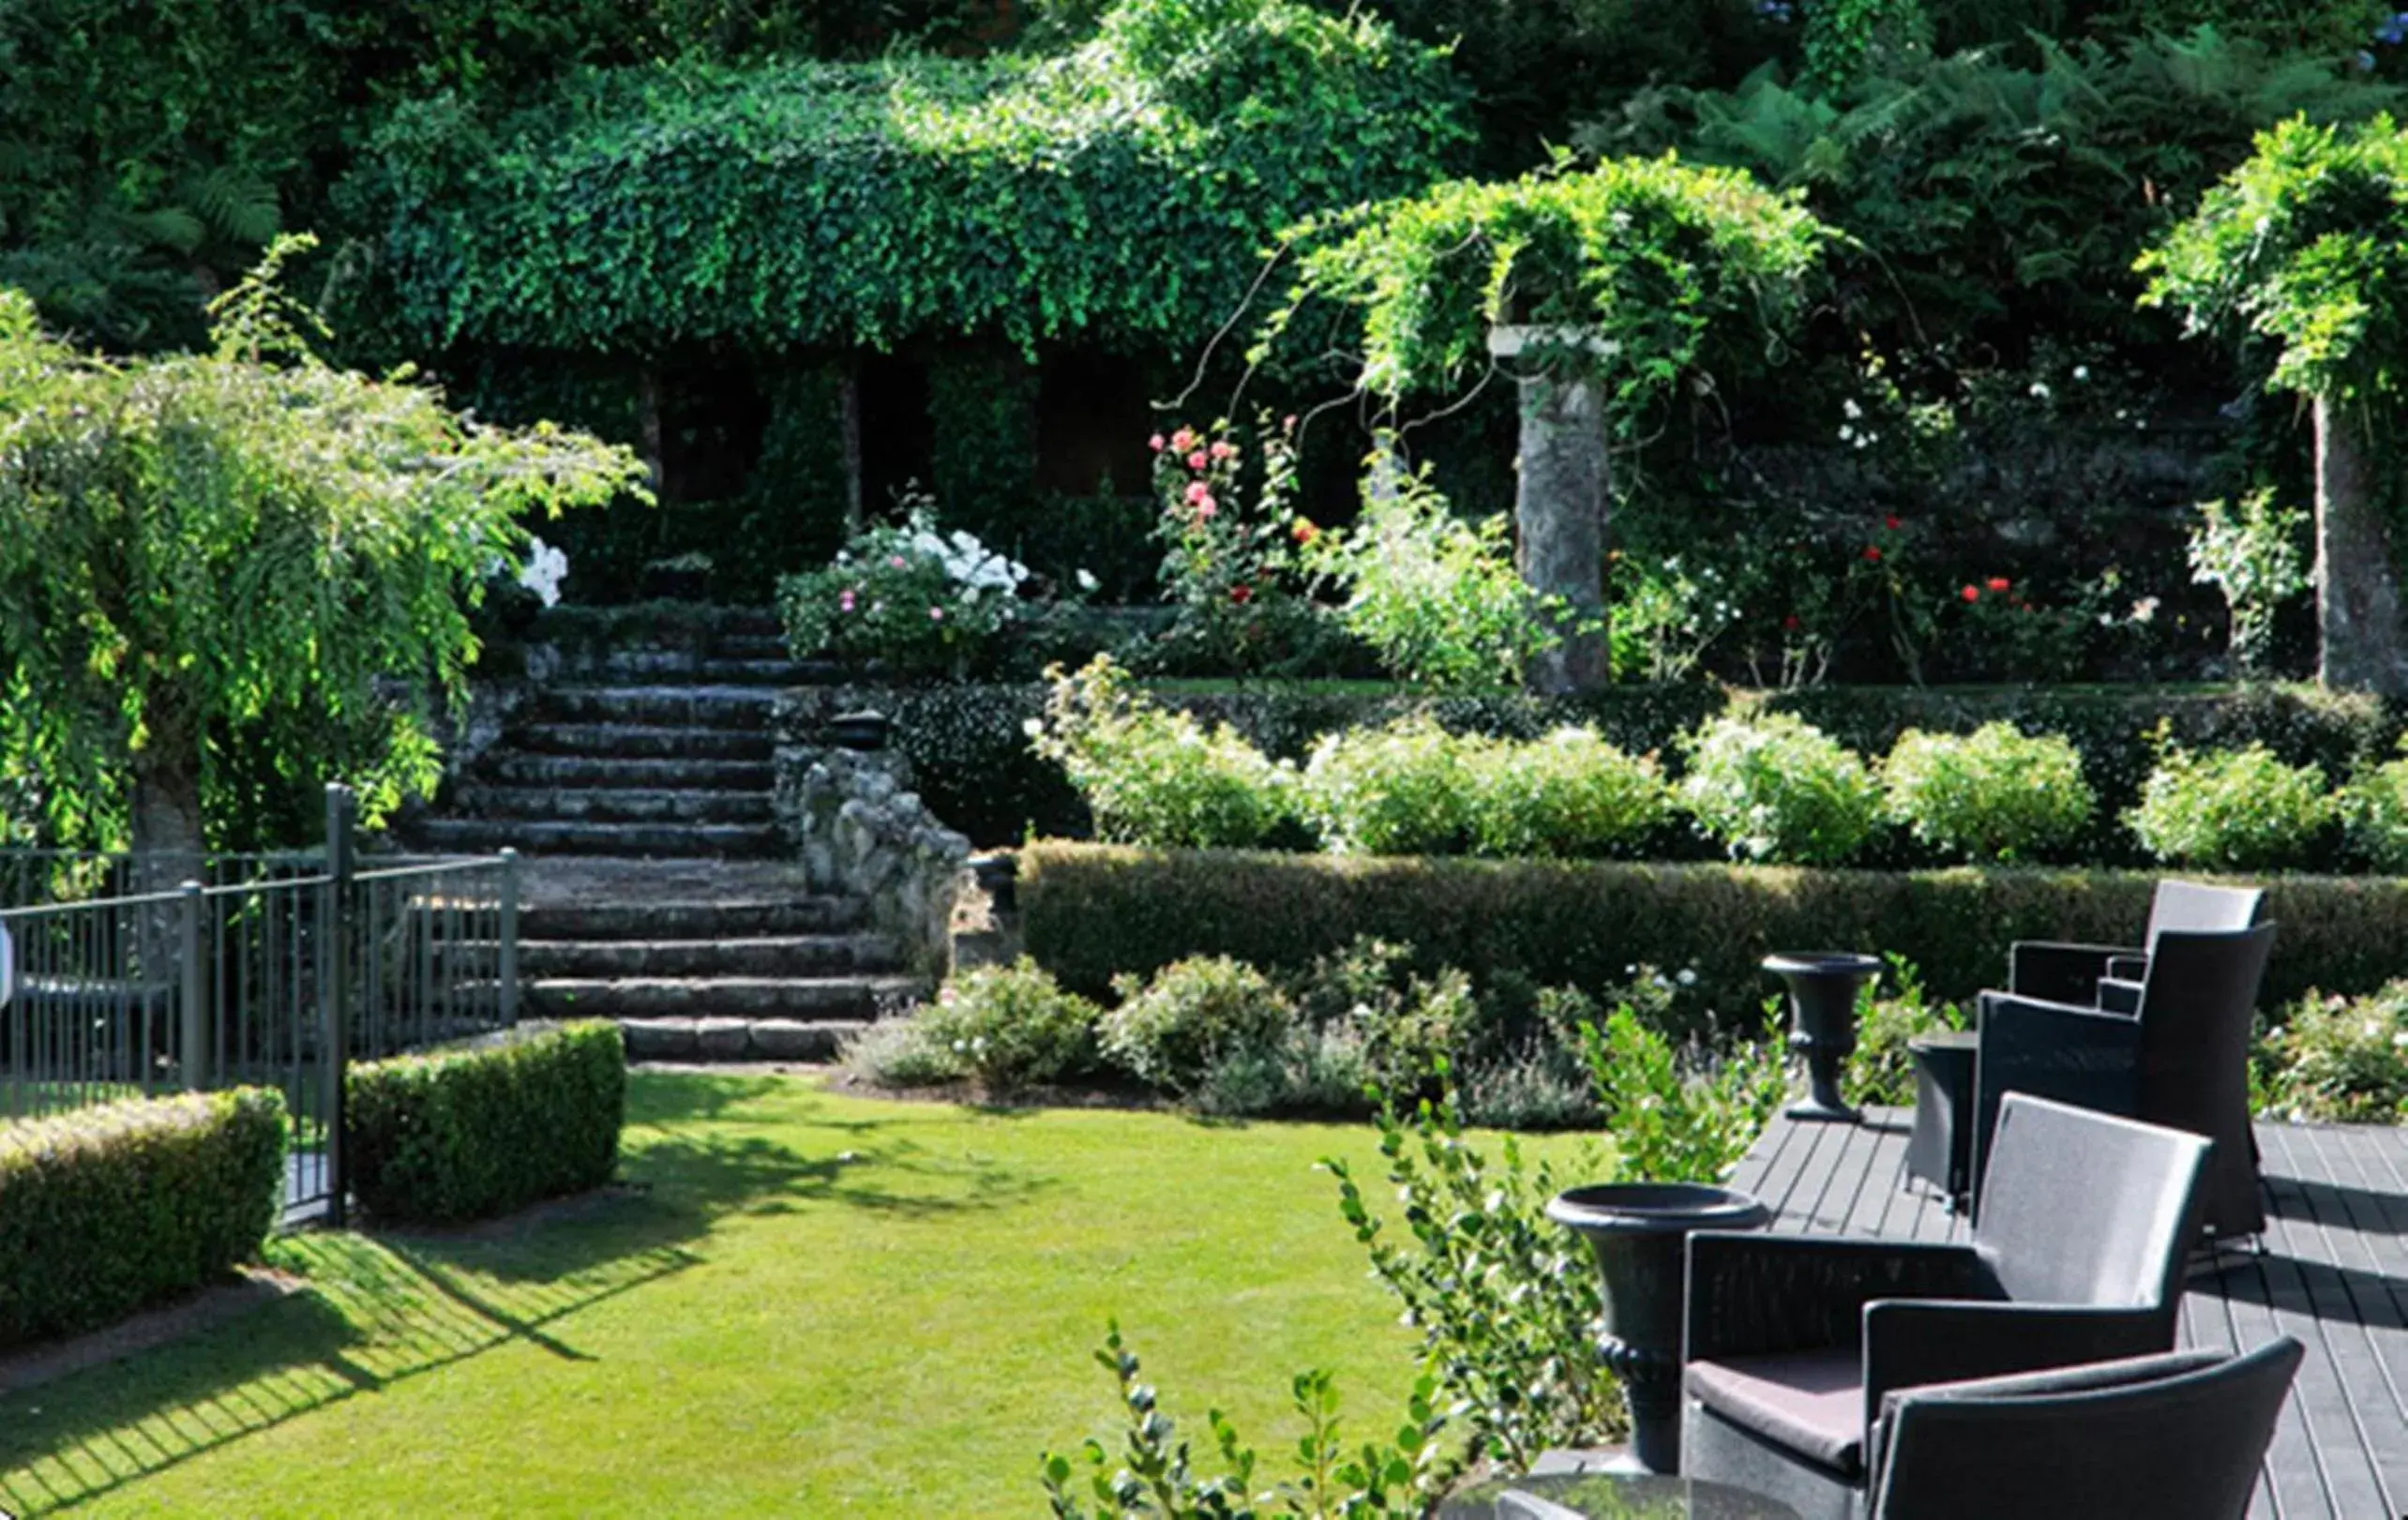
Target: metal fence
[279,977]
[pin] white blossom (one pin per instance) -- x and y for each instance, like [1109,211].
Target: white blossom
[544,570]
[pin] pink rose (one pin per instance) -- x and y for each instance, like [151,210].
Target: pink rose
[1154,443]
[1223,449]
[894,559]
[1205,507]
[1195,461]
[1183,440]
[845,601]
[936,615]
[1199,491]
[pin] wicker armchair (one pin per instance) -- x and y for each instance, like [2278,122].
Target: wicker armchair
[2180,1059]
[2166,1437]
[2056,973]
[1794,1342]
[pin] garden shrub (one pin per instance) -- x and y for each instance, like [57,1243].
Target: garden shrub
[1308,1070]
[1680,1116]
[901,1053]
[919,600]
[1771,787]
[1011,1027]
[2374,806]
[1154,777]
[107,1210]
[2235,810]
[2340,1059]
[476,1129]
[1404,788]
[1995,794]
[1880,1072]
[1090,913]
[1191,1016]
[1568,794]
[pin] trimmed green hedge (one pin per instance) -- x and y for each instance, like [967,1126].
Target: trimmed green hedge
[1092,911]
[481,1129]
[107,1210]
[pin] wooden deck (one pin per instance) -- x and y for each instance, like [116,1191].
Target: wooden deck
[2333,1272]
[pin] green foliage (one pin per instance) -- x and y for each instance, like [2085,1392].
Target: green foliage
[1845,38]
[1399,1479]
[1677,1120]
[1012,1027]
[478,1130]
[1404,788]
[2235,810]
[110,1210]
[1157,776]
[1645,258]
[1570,793]
[793,204]
[2252,555]
[919,601]
[1191,1016]
[2337,1060]
[1402,1022]
[1225,562]
[2304,247]
[1437,597]
[1090,913]
[1880,1072]
[982,444]
[900,1053]
[1995,794]
[1772,787]
[244,539]
[2374,806]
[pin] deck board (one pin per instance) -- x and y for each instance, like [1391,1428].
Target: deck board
[2333,1270]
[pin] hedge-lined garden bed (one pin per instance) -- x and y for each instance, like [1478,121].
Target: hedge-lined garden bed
[482,1129]
[1091,912]
[109,1210]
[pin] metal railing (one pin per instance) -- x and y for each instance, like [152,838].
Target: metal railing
[29,877]
[279,980]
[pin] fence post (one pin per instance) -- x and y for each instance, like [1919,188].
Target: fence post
[193,1036]
[506,969]
[335,991]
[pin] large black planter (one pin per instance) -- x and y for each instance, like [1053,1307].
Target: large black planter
[1640,1234]
[863,730]
[1823,986]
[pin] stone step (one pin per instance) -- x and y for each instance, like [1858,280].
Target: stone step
[614,805]
[738,1039]
[705,707]
[528,836]
[779,955]
[719,997]
[521,768]
[644,741]
[760,646]
[763,663]
[725,919]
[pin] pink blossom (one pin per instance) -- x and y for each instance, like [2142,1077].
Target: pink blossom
[1287,424]
[845,600]
[1183,440]
[894,559]
[936,615]
[1223,449]
[1195,461]
[1205,507]
[1199,491]
[1154,443]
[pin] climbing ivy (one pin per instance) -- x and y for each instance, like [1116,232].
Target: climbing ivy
[983,440]
[1121,191]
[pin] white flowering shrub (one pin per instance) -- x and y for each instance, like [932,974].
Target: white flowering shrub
[1568,794]
[1157,777]
[1402,790]
[1995,794]
[2233,809]
[1775,788]
[921,601]
[544,570]
[2338,1060]
[1011,1027]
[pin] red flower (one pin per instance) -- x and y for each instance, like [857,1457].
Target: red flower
[1242,595]
[1971,594]
[1890,524]
[1998,583]
[1871,555]
[1791,622]
[1304,532]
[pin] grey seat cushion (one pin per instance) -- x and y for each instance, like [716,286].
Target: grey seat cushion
[1811,1402]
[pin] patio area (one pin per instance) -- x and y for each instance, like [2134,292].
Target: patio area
[2333,1271]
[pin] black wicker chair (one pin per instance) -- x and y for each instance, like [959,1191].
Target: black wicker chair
[2168,1437]
[2056,973]
[1795,1341]
[2181,1058]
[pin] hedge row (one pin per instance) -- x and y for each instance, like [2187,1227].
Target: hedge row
[107,1210]
[971,752]
[1090,913]
[481,1129]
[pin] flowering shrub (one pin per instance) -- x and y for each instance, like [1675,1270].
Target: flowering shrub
[2341,1060]
[2239,810]
[1663,616]
[1436,597]
[1192,1017]
[1011,1027]
[1568,794]
[1402,790]
[1157,777]
[1771,787]
[1995,794]
[1226,561]
[544,570]
[2252,555]
[2375,808]
[922,602]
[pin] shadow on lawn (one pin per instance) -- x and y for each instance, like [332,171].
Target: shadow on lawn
[378,1312]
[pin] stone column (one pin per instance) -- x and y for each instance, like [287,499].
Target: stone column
[2359,643]
[1559,511]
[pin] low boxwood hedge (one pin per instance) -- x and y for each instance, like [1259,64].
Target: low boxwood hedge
[1092,911]
[107,1210]
[480,1129]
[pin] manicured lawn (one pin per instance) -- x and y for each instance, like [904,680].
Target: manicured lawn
[811,1306]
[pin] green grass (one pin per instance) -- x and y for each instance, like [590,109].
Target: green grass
[810,1305]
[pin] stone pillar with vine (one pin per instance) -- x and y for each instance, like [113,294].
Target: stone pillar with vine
[1563,489]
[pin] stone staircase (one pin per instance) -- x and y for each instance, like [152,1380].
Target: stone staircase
[637,783]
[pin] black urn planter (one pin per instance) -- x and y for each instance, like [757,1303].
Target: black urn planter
[998,875]
[1823,987]
[858,730]
[1639,1232]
